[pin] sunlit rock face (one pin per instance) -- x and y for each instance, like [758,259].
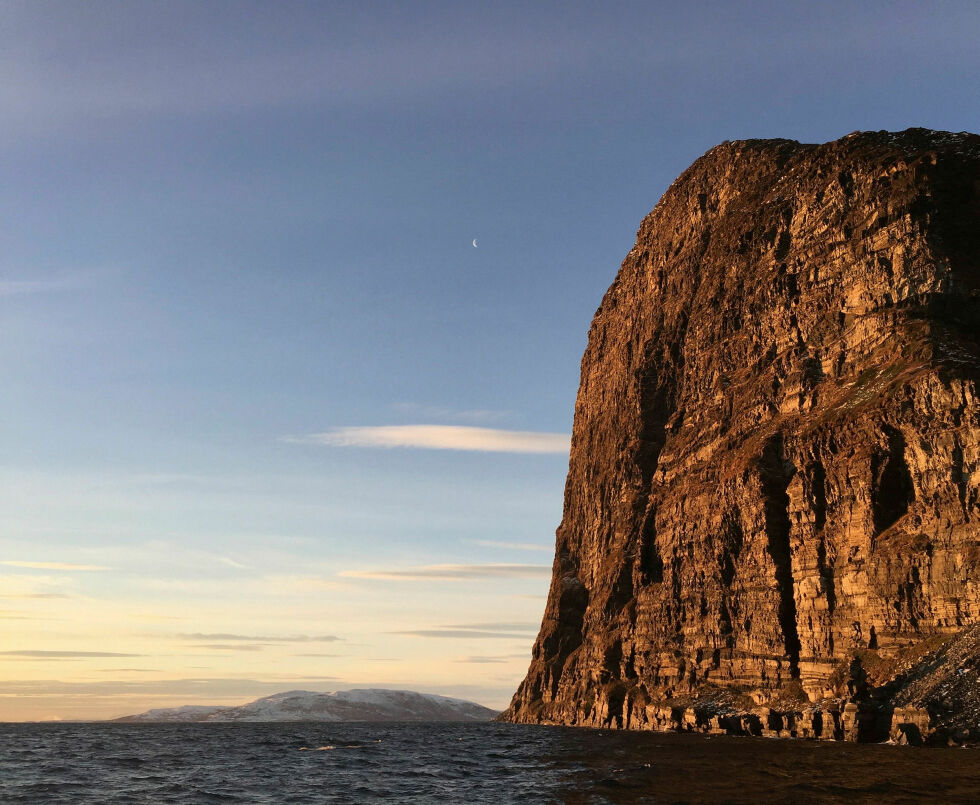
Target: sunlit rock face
[775,461]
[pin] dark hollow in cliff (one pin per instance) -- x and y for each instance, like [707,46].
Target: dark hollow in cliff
[775,464]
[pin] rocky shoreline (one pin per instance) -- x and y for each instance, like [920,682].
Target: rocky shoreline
[932,699]
[830,721]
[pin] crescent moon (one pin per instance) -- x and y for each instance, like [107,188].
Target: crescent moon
[474,244]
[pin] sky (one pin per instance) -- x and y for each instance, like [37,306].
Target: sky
[293,297]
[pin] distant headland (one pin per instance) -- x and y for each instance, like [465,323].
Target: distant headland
[367,704]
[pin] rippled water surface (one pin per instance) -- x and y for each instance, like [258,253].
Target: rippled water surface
[482,763]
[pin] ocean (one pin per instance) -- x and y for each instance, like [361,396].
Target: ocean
[459,763]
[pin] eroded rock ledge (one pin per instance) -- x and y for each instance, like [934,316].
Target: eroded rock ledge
[772,510]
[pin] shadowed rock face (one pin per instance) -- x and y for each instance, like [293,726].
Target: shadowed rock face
[776,453]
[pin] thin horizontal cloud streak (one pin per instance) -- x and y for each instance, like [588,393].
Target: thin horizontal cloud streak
[519,630]
[51,565]
[481,660]
[69,281]
[227,560]
[41,655]
[227,646]
[129,670]
[209,687]
[514,546]
[328,638]
[25,287]
[440,437]
[461,634]
[31,287]
[521,626]
[452,573]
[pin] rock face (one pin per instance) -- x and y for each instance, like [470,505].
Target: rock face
[775,463]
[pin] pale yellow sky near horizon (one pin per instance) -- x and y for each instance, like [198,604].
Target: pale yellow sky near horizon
[77,648]
[122,592]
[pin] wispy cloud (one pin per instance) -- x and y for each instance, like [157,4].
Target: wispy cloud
[440,437]
[227,560]
[453,572]
[506,626]
[228,646]
[26,287]
[51,565]
[219,636]
[514,546]
[129,670]
[496,658]
[208,687]
[287,583]
[41,655]
[519,630]
[67,281]
[463,634]
[481,660]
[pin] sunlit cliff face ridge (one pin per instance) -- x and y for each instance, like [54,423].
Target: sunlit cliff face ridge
[771,518]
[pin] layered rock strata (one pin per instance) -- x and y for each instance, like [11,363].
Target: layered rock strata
[775,460]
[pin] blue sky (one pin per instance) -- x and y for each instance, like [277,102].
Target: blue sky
[238,276]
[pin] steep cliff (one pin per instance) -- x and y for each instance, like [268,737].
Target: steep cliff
[772,496]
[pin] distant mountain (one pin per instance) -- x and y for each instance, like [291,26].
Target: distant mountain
[372,704]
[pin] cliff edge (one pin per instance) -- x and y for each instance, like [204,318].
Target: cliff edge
[772,512]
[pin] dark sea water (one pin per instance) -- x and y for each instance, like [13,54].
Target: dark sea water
[481,763]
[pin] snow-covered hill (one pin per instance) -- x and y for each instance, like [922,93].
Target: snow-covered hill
[371,704]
